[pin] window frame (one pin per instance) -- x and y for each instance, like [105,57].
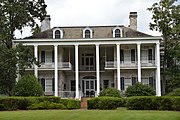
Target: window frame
[84,33]
[61,33]
[114,32]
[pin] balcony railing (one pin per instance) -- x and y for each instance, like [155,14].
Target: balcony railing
[127,64]
[65,66]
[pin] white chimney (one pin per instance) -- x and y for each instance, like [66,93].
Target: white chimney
[133,20]
[45,24]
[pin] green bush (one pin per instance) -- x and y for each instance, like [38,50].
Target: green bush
[139,89]
[105,103]
[111,92]
[153,103]
[46,105]
[28,85]
[175,92]
[23,103]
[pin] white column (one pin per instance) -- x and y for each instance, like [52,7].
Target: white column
[56,69]
[97,69]
[36,56]
[158,79]
[77,72]
[118,67]
[139,61]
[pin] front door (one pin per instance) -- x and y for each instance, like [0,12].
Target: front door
[89,88]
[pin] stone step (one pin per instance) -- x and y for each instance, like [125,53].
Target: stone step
[84,102]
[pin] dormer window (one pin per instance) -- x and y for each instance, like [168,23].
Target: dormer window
[57,33]
[117,32]
[87,33]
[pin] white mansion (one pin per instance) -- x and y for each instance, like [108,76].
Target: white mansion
[79,61]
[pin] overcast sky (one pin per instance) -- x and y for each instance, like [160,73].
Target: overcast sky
[97,12]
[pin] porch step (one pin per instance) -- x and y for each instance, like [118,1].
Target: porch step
[84,102]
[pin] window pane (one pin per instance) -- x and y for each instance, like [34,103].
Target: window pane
[92,84]
[117,33]
[87,34]
[87,84]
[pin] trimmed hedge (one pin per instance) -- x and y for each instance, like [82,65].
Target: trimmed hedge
[175,92]
[105,103]
[153,103]
[23,103]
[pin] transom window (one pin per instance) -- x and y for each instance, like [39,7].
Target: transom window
[117,33]
[57,34]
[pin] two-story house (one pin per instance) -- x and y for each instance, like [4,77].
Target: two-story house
[79,61]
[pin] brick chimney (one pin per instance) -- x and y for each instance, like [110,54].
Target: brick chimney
[133,20]
[45,24]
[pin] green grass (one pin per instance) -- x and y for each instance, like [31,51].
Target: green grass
[120,114]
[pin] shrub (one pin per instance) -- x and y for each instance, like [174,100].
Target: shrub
[46,105]
[105,103]
[28,85]
[23,103]
[139,89]
[153,103]
[111,92]
[175,92]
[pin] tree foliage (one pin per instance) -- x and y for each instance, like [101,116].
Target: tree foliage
[166,19]
[16,14]
[28,85]
[12,62]
[139,89]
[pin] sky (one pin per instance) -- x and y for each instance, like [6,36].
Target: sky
[97,13]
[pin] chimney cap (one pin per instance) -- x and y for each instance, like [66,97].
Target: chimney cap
[133,14]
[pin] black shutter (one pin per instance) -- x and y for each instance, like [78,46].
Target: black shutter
[53,56]
[121,55]
[122,83]
[53,84]
[132,55]
[151,82]
[43,83]
[150,55]
[134,80]
[43,56]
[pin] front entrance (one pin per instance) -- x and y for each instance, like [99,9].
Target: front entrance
[89,86]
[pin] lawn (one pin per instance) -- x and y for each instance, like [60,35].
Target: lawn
[120,114]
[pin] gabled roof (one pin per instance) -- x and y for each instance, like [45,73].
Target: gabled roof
[76,32]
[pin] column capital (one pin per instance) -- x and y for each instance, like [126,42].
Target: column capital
[35,45]
[55,45]
[97,44]
[157,43]
[138,43]
[117,44]
[76,44]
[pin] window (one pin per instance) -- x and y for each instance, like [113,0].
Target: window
[87,33]
[117,32]
[73,85]
[106,84]
[57,34]
[145,81]
[49,84]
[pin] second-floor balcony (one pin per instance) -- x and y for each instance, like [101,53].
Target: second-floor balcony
[51,65]
[129,64]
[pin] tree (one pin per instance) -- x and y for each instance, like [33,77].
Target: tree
[167,21]
[28,85]
[139,89]
[16,14]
